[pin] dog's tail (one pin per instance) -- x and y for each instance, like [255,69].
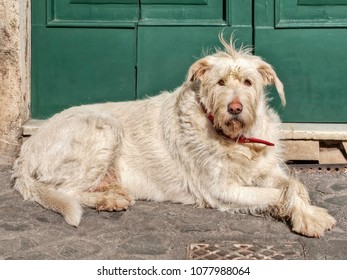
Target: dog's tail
[48,197]
[60,202]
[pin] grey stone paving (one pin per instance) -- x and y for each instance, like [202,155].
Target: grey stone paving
[150,230]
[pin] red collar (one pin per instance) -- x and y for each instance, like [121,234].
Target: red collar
[242,139]
[246,140]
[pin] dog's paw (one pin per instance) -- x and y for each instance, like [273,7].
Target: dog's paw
[115,201]
[313,222]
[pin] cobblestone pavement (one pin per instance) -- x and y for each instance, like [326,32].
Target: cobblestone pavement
[150,230]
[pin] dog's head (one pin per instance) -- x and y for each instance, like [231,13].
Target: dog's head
[230,87]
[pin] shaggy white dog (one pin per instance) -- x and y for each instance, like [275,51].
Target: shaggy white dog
[199,145]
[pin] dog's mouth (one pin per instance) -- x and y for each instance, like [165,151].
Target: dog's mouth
[232,128]
[235,124]
[235,127]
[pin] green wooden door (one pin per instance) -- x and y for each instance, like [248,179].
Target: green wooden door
[306,41]
[87,51]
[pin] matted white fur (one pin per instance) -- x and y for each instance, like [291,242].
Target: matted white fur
[183,146]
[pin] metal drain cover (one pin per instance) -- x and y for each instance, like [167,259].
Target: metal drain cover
[245,251]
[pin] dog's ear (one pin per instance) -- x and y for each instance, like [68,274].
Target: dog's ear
[197,70]
[195,85]
[270,78]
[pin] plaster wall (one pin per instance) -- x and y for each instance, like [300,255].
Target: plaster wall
[14,75]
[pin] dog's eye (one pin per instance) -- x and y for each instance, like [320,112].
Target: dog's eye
[221,82]
[247,82]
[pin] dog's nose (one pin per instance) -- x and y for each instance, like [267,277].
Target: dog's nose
[235,108]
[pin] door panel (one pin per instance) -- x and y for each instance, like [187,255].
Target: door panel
[165,54]
[310,13]
[173,34]
[78,66]
[95,13]
[76,59]
[311,62]
[181,12]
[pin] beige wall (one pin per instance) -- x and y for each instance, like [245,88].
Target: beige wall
[14,74]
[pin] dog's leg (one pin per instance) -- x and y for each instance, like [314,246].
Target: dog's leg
[289,200]
[305,218]
[236,196]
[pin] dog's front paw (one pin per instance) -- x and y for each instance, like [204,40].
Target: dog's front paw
[313,222]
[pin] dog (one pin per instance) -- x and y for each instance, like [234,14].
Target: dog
[212,142]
